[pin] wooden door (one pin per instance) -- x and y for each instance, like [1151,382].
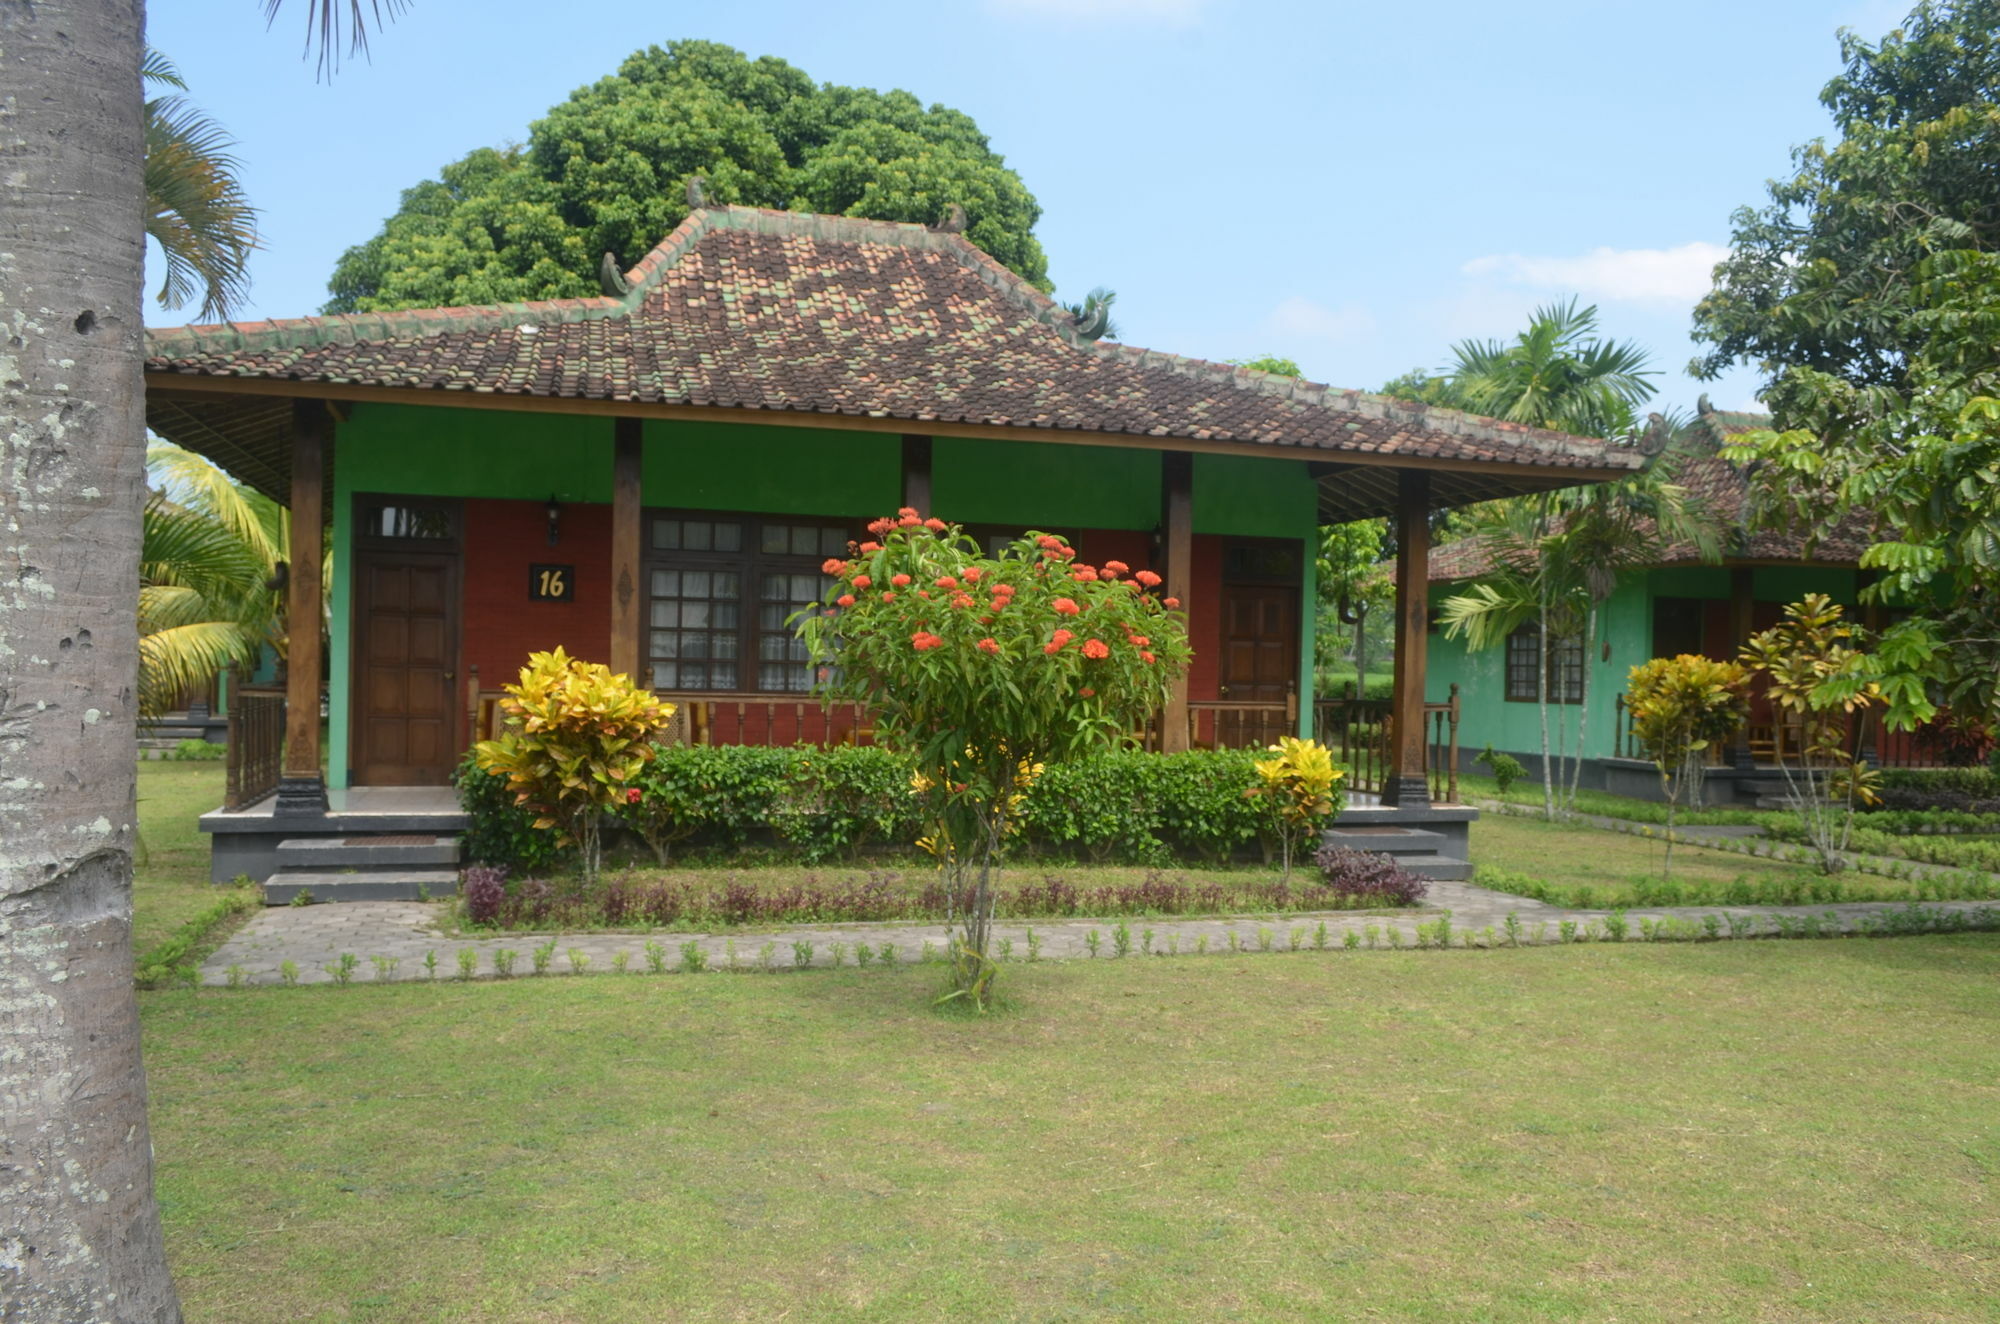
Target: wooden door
[406,611]
[1260,643]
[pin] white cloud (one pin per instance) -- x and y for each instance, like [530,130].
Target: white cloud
[1167,13]
[1300,316]
[1643,275]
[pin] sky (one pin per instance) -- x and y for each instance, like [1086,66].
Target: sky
[1355,187]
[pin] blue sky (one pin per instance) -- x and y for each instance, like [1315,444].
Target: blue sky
[1352,186]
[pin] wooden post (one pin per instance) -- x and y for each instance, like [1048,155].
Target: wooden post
[302,787]
[917,474]
[627,602]
[1743,624]
[1404,786]
[1177,533]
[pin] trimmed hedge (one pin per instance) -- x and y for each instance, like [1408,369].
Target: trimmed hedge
[818,804]
[1966,790]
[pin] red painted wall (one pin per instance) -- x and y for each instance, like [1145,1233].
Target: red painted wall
[501,625]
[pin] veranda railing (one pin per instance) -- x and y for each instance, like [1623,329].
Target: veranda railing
[256,744]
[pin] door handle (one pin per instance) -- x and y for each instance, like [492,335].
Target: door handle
[450,676]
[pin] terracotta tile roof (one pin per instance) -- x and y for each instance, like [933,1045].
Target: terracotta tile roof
[754,310]
[1710,478]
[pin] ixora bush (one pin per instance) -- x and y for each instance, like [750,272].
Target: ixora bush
[576,735]
[1298,790]
[1681,708]
[981,670]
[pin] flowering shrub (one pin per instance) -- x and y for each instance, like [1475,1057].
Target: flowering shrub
[576,734]
[485,893]
[978,666]
[1298,790]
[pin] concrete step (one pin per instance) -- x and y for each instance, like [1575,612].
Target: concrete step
[363,851]
[1383,840]
[373,885]
[1439,868]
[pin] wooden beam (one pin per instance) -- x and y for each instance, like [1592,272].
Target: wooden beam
[193,385]
[302,786]
[1405,786]
[1742,624]
[1177,533]
[917,473]
[627,601]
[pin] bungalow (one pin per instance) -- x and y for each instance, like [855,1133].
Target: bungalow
[1678,604]
[653,476]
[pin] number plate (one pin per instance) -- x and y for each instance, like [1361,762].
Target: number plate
[551,583]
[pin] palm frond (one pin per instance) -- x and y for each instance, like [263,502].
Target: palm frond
[196,209]
[333,23]
[191,481]
[180,658]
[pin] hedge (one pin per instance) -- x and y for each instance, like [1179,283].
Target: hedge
[817,804]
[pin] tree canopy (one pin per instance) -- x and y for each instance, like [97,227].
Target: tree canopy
[606,171]
[1823,276]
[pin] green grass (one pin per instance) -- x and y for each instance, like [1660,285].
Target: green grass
[1616,806]
[170,885]
[1587,1132]
[1572,865]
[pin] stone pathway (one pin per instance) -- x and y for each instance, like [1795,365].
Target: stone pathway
[391,939]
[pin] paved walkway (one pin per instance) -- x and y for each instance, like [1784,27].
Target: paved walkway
[391,939]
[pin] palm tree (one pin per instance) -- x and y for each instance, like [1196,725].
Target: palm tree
[1559,373]
[79,1175]
[207,574]
[195,206]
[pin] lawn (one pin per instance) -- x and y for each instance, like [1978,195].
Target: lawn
[1587,1132]
[170,884]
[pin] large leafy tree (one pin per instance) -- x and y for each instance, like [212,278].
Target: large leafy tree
[607,171]
[1868,291]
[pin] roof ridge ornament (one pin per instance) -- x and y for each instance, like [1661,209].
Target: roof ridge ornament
[697,193]
[952,222]
[611,279]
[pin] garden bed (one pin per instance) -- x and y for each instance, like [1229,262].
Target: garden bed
[773,895]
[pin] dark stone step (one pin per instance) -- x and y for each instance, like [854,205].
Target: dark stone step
[365,851]
[373,885]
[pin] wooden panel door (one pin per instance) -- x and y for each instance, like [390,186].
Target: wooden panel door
[1260,643]
[407,651]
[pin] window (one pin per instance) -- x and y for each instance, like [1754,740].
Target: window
[719,591]
[401,519]
[1523,667]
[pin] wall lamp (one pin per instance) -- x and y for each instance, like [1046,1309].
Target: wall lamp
[555,519]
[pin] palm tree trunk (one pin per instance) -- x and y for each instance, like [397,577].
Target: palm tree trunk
[1542,702]
[1583,702]
[82,1231]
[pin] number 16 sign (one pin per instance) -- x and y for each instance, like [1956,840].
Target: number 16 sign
[551,583]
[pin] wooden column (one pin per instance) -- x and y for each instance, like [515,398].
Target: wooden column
[1404,785]
[917,474]
[627,600]
[1177,545]
[1742,624]
[302,786]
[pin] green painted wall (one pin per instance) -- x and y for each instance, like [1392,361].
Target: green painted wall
[1485,715]
[774,471]
[1044,485]
[1254,498]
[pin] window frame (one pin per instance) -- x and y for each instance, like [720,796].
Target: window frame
[750,563]
[1520,653]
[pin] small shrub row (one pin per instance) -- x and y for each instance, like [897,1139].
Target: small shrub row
[817,804]
[1352,882]
[1788,890]
[171,961]
[1968,790]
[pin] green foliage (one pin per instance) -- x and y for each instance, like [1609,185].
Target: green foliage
[606,171]
[1113,807]
[720,794]
[1681,708]
[839,800]
[498,830]
[196,209]
[1297,791]
[197,751]
[1558,372]
[576,735]
[175,960]
[1506,769]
